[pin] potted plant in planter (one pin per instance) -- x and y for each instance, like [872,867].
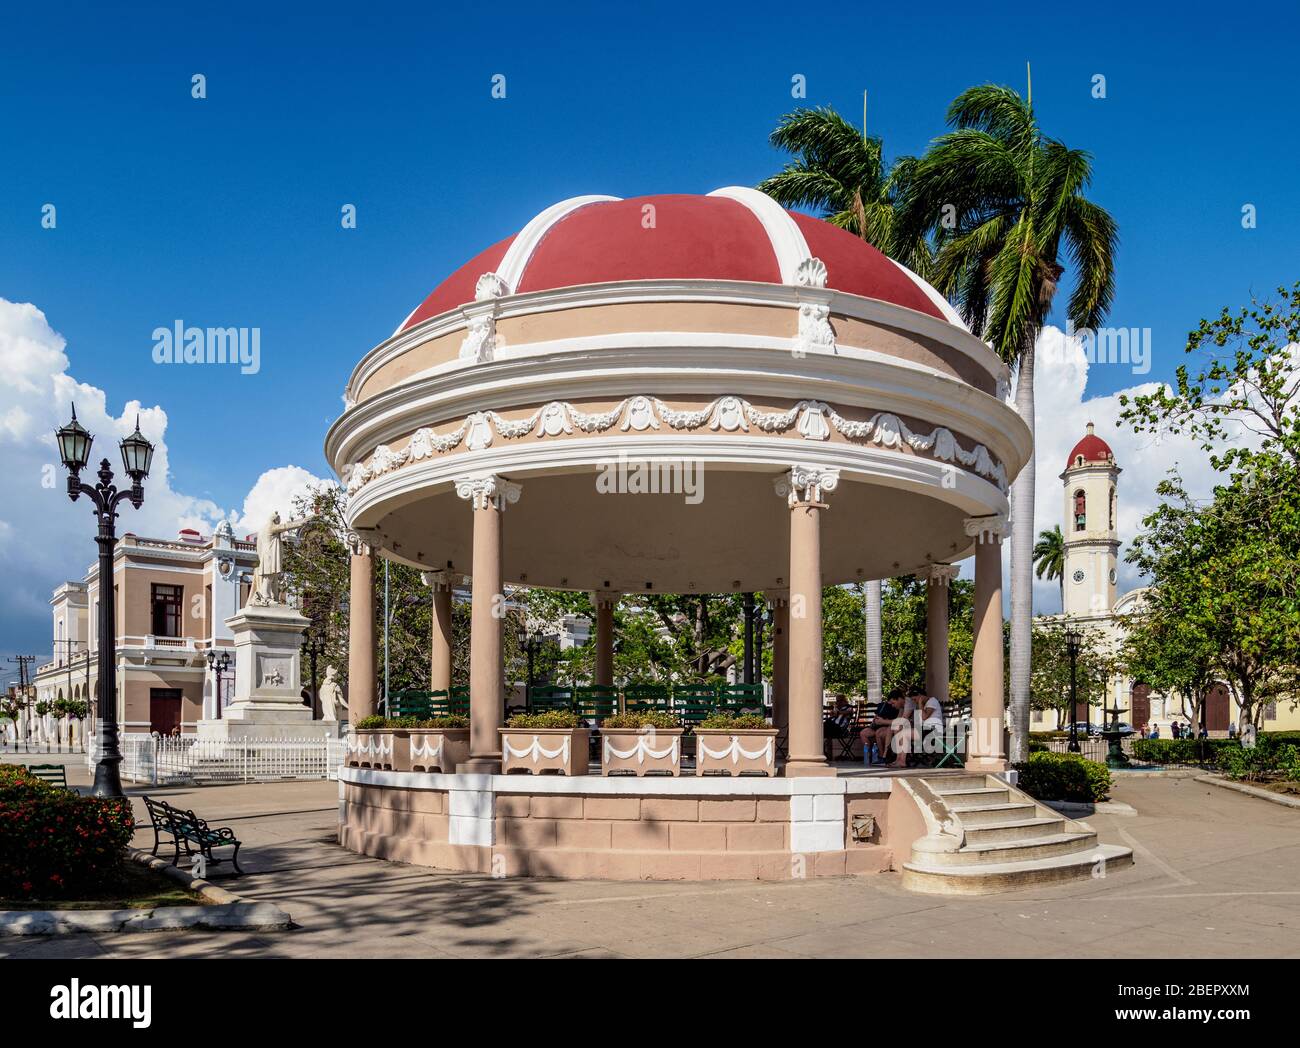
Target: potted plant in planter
[645,743]
[372,741]
[435,744]
[544,742]
[727,744]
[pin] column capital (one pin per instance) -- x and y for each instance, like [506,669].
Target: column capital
[991,528]
[803,484]
[940,574]
[437,580]
[776,596]
[358,543]
[488,489]
[606,596]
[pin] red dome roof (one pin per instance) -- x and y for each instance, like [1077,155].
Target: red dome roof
[1092,448]
[733,234]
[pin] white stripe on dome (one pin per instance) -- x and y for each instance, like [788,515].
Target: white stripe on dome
[944,306]
[788,243]
[516,259]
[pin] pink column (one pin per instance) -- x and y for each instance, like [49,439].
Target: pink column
[938,578]
[488,495]
[440,647]
[361,630]
[605,601]
[803,488]
[984,749]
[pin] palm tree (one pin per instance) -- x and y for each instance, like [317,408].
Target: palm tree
[1049,558]
[1002,202]
[840,172]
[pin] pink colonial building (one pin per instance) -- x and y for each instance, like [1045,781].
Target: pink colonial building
[173,597]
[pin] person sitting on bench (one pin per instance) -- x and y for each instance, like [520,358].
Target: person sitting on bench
[921,713]
[882,724]
[835,725]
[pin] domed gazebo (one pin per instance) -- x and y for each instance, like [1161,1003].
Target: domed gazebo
[837,420]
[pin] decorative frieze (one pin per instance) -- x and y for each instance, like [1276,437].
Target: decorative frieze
[811,419]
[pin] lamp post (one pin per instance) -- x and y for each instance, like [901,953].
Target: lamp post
[314,647]
[218,665]
[1073,641]
[528,644]
[137,454]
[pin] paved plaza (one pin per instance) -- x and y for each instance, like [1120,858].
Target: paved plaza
[1213,877]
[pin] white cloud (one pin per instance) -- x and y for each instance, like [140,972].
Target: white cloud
[45,539]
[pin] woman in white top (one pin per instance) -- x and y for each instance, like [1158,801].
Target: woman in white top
[921,713]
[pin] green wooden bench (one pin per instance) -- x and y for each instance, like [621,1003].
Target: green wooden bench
[645,698]
[54,774]
[546,698]
[412,704]
[741,698]
[594,702]
[693,702]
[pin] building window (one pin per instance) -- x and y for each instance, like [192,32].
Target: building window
[1080,510]
[166,604]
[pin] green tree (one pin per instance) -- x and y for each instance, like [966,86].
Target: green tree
[1050,680]
[1168,650]
[1005,204]
[1049,558]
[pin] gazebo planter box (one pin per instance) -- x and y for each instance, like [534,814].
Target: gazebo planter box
[562,751]
[735,751]
[431,749]
[641,751]
[373,748]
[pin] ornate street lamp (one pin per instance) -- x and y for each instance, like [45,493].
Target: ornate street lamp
[1073,642]
[137,454]
[218,665]
[529,644]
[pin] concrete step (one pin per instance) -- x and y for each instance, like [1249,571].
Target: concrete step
[1016,830]
[956,781]
[931,878]
[968,795]
[991,814]
[1000,852]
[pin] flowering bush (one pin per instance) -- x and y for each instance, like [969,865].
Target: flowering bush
[54,842]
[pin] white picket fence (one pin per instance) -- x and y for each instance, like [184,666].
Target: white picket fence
[167,761]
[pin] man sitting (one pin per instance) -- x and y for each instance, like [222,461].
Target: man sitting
[881,728]
[836,723]
[921,713]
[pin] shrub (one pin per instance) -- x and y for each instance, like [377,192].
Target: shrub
[54,842]
[1182,751]
[549,719]
[1269,758]
[1064,777]
[734,722]
[644,719]
[376,723]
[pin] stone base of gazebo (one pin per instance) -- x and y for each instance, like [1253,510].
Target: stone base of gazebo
[626,828]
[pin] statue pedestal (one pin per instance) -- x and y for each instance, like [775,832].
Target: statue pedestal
[267,703]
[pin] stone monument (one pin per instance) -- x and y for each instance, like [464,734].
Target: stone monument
[267,701]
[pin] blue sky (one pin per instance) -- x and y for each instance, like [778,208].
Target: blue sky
[225,211]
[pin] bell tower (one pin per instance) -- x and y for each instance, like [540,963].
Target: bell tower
[1090,527]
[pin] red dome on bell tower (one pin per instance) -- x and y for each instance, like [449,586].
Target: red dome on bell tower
[1091,449]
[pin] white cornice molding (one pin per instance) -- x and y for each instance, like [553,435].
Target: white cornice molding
[601,367]
[730,292]
[813,420]
[860,463]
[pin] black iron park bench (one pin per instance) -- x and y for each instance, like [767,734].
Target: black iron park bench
[189,831]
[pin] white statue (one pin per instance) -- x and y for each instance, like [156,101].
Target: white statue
[268,576]
[331,696]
